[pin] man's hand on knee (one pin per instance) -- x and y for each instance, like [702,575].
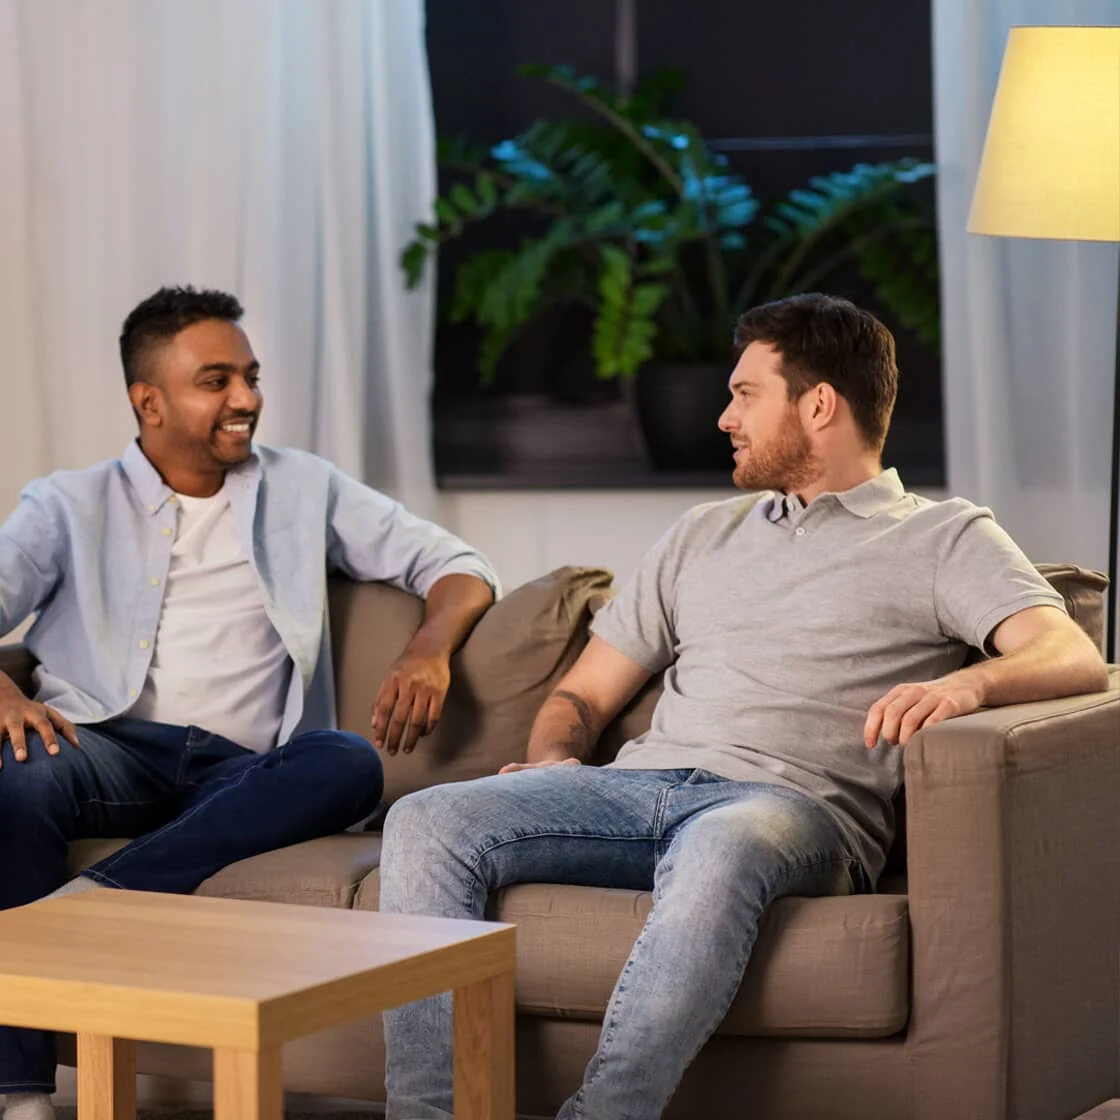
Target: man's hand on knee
[18,714]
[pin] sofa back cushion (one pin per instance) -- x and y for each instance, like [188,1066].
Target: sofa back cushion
[500,677]
[1083,591]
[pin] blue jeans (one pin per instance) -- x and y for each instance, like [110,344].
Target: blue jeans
[195,802]
[714,852]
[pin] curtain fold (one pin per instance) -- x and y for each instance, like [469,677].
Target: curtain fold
[1029,327]
[279,149]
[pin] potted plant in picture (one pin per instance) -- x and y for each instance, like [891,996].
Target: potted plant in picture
[635,217]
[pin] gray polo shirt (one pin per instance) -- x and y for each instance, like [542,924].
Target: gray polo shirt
[778,626]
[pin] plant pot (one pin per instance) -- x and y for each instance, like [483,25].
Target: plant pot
[678,409]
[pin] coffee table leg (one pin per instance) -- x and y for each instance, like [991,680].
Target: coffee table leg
[106,1077]
[248,1084]
[484,1071]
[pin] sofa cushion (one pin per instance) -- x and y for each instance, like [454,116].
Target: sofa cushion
[822,967]
[830,967]
[499,679]
[324,872]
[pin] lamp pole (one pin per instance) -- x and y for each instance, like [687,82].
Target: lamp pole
[1114,498]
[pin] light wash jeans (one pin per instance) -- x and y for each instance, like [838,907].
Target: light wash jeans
[195,801]
[714,852]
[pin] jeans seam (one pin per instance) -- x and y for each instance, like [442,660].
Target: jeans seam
[184,764]
[101,877]
[103,801]
[660,812]
[552,835]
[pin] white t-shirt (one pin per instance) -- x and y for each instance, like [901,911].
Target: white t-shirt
[218,662]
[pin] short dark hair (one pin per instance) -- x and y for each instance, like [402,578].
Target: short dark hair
[825,338]
[163,315]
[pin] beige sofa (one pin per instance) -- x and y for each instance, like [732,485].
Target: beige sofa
[982,982]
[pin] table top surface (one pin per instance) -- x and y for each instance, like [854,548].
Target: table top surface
[201,960]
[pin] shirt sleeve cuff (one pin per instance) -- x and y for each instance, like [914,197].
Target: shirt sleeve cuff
[987,625]
[466,567]
[650,659]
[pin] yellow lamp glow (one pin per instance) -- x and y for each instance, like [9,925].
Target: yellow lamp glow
[1051,163]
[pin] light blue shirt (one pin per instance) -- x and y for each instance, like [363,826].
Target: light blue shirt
[88,553]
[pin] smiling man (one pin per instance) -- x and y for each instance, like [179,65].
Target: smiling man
[806,634]
[184,694]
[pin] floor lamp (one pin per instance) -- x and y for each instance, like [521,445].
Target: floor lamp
[1051,168]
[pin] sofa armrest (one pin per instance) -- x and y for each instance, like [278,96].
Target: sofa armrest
[1013,837]
[17,662]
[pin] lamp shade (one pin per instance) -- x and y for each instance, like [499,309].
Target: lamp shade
[1051,163]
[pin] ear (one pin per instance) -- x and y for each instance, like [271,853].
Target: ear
[147,403]
[820,406]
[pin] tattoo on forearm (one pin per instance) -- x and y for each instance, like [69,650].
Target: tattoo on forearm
[581,735]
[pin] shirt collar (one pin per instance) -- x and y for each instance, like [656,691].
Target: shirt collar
[146,481]
[153,492]
[874,495]
[865,500]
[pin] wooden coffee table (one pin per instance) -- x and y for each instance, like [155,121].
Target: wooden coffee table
[244,978]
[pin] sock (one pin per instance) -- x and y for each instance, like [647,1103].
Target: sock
[28,1106]
[75,886]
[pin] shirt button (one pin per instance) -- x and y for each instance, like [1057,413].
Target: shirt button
[154,581]
[132,694]
[151,508]
[800,530]
[166,532]
[171,499]
[143,644]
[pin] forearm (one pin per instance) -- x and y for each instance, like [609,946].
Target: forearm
[1052,665]
[567,726]
[453,606]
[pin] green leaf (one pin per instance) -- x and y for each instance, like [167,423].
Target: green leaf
[494,343]
[413,257]
[904,272]
[472,281]
[486,191]
[464,200]
[657,266]
[448,215]
[624,329]
[604,217]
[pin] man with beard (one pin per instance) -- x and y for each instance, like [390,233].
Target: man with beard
[184,693]
[805,634]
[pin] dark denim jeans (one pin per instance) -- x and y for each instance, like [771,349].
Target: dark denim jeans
[193,802]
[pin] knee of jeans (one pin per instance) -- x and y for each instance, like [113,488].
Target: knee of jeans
[28,789]
[424,820]
[358,765]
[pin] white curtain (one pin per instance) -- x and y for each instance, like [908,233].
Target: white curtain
[278,149]
[1029,327]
